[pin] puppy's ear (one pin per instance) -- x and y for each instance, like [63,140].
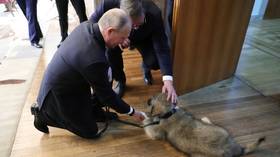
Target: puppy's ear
[149,102]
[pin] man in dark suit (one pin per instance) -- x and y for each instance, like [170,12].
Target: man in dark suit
[80,64]
[29,9]
[148,36]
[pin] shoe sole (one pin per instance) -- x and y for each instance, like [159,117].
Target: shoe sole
[34,111]
[42,130]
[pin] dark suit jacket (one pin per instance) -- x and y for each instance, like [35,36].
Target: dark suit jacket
[80,63]
[150,33]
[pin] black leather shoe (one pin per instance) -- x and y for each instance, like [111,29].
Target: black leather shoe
[37,45]
[148,79]
[58,45]
[38,123]
[119,88]
[41,36]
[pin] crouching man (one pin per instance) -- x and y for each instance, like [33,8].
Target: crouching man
[79,65]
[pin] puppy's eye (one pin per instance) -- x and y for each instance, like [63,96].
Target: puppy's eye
[149,102]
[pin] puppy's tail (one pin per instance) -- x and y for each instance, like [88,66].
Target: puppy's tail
[253,146]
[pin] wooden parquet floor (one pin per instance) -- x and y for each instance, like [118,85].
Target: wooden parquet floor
[259,63]
[246,116]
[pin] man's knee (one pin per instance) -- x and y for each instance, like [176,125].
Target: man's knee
[154,66]
[150,59]
[151,65]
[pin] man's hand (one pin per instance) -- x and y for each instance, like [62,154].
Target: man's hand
[168,89]
[125,44]
[138,116]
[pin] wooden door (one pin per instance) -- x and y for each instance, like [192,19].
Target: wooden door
[207,39]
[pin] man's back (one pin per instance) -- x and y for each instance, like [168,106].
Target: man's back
[152,22]
[66,71]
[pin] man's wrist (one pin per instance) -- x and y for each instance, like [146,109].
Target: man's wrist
[167,78]
[131,111]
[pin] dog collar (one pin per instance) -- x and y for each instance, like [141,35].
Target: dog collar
[169,113]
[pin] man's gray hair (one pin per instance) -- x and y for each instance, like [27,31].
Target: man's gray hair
[133,8]
[115,18]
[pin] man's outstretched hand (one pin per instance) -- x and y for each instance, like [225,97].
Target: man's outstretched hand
[169,90]
[138,116]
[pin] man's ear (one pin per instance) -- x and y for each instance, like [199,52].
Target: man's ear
[107,32]
[110,30]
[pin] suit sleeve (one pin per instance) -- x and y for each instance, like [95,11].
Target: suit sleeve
[160,43]
[99,11]
[103,6]
[97,76]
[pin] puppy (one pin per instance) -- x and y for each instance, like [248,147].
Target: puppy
[195,137]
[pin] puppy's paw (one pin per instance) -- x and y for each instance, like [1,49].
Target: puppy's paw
[206,120]
[151,133]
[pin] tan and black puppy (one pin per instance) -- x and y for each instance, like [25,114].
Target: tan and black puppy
[198,138]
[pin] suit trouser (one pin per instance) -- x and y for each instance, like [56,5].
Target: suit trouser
[150,61]
[169,12]
[62,8]
[78,119]
[29,9]
[169,16]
